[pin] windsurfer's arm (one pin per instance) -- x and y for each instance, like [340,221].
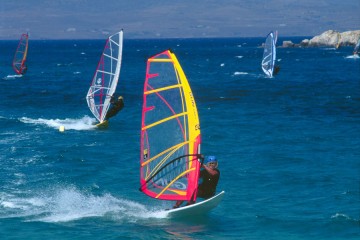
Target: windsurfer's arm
[211,171]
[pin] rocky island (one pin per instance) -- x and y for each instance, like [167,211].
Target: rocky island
[329,38]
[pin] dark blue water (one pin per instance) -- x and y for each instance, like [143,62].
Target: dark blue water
[288,147]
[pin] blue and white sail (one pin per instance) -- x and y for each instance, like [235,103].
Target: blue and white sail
[106,77]
[269,56]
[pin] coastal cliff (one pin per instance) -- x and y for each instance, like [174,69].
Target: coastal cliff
[329,38]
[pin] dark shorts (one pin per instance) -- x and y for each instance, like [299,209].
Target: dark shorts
[205,194]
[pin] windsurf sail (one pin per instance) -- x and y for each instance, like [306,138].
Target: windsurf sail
[170,132]
[269,56]
[19,61]
[357,46]
[106,77]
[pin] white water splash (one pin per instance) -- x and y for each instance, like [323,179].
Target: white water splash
[70,204]
[8,77]
[85,123]
[354,56]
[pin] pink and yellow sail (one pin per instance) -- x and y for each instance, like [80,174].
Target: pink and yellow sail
[170,132]
[19,61]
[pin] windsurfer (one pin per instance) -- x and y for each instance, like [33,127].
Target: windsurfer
[209,177]
[276,69]
[24,69]
[116,106]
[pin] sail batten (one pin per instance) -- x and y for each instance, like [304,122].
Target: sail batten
[162,89]
[164,152]
[109,73]
[170,133]
[106,77]
[163,120]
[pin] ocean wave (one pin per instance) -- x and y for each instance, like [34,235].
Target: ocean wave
[343,217]
[84,123]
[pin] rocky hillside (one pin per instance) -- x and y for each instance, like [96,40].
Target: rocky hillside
[329,38]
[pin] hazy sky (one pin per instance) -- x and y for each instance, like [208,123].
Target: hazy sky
[78,19]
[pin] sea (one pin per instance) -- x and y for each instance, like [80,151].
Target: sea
[288,146]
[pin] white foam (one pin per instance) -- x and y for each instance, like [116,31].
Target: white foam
[6,204]
[240,73]
[354,56]
[66,204]
[340,216]
[85,123]
[8,77]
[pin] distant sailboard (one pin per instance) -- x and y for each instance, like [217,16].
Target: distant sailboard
[106,78]
[19,61]
[170,132]
[356,51]
[269,56]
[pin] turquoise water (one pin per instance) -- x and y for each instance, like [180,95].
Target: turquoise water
[288,147]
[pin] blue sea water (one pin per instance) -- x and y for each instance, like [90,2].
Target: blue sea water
[288,146]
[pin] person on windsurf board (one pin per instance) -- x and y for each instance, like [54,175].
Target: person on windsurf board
[209,178]
[116,106]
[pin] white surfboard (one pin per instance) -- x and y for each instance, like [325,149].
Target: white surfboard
[197,208]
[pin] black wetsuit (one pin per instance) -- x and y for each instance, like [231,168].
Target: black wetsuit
[116,106]
[276,70]
[207,188]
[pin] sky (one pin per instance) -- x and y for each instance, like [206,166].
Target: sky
[97,19]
